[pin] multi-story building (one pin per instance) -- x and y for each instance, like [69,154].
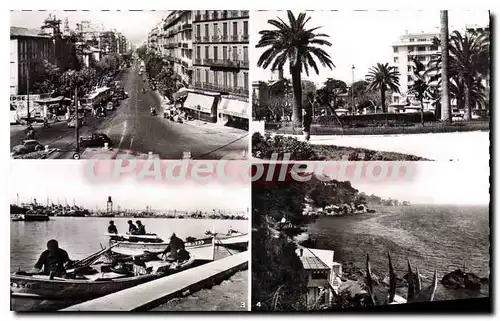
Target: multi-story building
[108,42]
[220,79]
[152,45]
[178,44]
[122,46]
[419,46]
[27,46]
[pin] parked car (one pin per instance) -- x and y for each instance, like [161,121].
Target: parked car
[96,140]
[72,122]
[27,146]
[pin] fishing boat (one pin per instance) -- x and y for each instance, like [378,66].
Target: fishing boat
[30,217]
[232,239]
[202,249]
[90,283]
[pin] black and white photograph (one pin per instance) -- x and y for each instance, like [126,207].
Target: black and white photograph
[322,243]
[371,85]
[127,245]
[162,84]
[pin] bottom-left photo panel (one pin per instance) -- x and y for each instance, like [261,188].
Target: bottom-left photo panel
[80,242]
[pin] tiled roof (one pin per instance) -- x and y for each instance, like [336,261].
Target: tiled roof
[313,263]
[25,32]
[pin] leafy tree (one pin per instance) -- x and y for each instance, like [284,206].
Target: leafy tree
[382,78]
[419,85]
[71,79]
[294,43]
[44,77]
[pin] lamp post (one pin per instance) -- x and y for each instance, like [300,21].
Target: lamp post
[352,91]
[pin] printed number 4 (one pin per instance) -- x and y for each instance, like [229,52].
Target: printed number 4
[258,305]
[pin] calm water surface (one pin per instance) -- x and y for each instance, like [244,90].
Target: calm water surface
[432,237]
[81,236]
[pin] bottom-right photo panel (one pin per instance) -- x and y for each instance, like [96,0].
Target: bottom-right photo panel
[368,236]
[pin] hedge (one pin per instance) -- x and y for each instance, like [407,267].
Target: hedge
[376,119]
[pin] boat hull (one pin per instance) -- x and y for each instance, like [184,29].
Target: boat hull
[34,218]
[237,241]
[68,289]
[202,249]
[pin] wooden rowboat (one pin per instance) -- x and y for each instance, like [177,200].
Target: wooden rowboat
[42,287]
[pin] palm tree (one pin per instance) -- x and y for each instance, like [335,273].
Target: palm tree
[445,87]
[383,77]
[469,61]
[419,85]
[294,43]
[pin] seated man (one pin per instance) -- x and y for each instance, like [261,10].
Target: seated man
[53,259]
[174,246]
[112,228]
[141,229]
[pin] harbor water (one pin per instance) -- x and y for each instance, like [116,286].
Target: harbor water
[432,237]
[82,236]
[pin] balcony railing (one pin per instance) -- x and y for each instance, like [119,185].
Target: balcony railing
[187,26]
[216,38]
[234,37]
[234,13]
[197,17]
[224,38]
[245,13]
[197,39]
[221,88]
[197,61]
[206,38]
[185,45]
[226,63]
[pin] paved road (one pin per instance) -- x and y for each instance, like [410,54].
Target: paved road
[133,130]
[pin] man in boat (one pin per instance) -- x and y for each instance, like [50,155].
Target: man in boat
[53,259]
[175,246]
[141,229]
[112,228]
[132,229]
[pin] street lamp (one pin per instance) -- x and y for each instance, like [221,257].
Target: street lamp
[352,91]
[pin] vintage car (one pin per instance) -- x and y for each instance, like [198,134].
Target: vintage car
[96,140]
[27,146]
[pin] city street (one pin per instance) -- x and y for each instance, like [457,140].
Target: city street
[134,131]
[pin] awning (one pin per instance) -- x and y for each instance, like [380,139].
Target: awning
[181,93]
[234,107]
[199,102]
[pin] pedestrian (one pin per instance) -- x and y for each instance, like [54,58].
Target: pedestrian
[307,117]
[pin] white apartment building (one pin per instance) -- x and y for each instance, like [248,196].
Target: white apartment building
[417,45]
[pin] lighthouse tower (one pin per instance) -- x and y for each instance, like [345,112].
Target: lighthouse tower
[109,207]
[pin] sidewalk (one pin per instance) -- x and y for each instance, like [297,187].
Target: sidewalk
[90,153]
[217,127]
[457,146]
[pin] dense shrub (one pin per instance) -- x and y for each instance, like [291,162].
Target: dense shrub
[377,120]
[264,147]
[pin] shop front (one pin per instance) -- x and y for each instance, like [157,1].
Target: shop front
[233,112]
[200,106]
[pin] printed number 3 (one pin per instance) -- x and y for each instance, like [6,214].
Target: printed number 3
[242,305]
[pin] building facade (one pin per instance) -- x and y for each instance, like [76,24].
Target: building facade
[419,46]
[177,44]
[221,61]
[27,46]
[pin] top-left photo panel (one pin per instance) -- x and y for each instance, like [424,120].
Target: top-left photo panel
[147,84]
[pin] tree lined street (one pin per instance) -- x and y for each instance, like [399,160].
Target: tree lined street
[133,130]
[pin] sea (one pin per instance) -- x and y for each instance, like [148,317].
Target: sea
[83,236]
[444,238]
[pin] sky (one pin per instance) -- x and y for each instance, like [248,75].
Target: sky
[65,179]
[459,183]
[135,25]
[359,38]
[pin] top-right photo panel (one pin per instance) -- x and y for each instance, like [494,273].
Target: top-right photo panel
[371,85]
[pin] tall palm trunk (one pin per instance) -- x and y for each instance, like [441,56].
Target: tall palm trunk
[422,112]
[445,87]
[468,101]
[297,95]
[382,97]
